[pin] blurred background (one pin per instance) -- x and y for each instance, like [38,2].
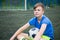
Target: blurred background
[15,13]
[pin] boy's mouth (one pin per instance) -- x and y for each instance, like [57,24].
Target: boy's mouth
[36,14]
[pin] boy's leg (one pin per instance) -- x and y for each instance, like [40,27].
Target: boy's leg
[26,36]
[43,37]
[22,35]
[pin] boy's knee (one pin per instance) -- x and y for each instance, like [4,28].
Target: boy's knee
[19,36]
[22,35]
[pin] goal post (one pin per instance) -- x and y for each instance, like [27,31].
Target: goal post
[25,5]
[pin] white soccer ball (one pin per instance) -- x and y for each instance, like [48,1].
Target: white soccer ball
[33,32]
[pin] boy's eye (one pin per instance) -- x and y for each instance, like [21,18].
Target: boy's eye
[38,10]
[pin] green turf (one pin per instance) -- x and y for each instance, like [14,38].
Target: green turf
[10,21]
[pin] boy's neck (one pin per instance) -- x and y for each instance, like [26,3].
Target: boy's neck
[39,18]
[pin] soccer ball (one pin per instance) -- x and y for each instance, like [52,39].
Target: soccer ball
[23,38]
[33,32]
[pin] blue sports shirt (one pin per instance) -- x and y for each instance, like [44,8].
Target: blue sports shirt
[49,29]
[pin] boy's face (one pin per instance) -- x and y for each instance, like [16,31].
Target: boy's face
[38,12]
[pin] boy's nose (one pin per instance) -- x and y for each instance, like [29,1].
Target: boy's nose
[36,12]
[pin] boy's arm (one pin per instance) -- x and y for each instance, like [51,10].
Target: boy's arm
[40,33]
[20,30]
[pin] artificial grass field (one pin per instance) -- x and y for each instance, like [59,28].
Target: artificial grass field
[10,21]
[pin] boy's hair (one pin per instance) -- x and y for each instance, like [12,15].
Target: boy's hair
[39,4]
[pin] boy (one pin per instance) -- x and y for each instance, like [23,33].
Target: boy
[40,21]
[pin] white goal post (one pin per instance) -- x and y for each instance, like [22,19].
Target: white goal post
[25,5]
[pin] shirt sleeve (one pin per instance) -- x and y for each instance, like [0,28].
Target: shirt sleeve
[31,21]
[45,21]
